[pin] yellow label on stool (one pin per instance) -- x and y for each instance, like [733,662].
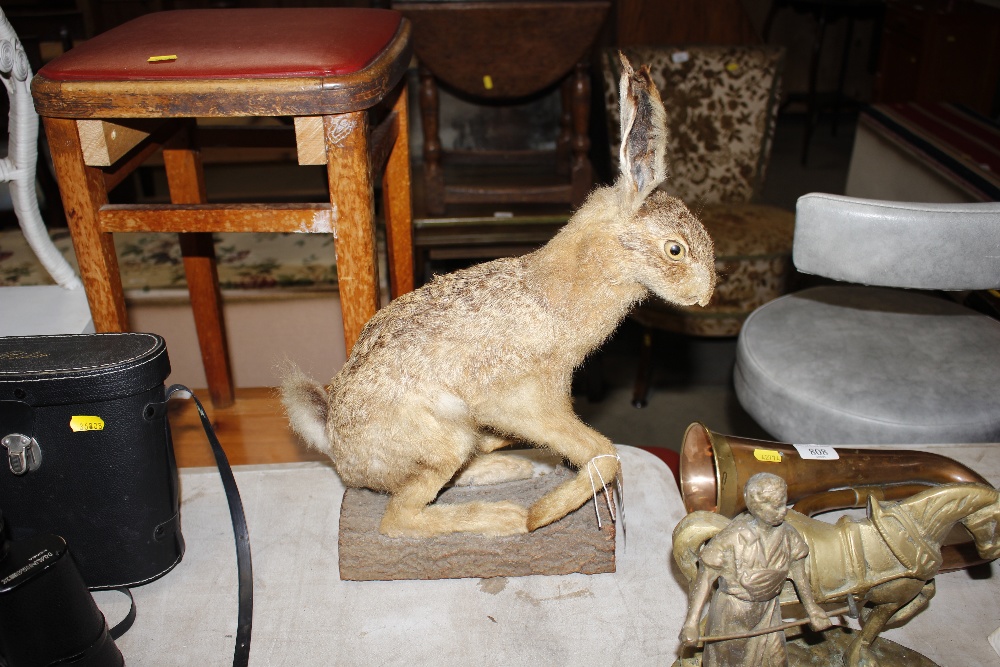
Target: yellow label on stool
[86,423]
[767,455]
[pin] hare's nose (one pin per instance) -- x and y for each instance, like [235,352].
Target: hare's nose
[706,295]
[710,281]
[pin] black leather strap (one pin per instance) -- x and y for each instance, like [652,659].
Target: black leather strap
[241,654]
[126,623]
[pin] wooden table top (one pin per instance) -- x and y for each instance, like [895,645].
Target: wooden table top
[253,430]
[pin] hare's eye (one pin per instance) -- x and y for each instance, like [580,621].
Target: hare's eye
[674,249]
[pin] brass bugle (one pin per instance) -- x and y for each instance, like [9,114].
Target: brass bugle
[714,468]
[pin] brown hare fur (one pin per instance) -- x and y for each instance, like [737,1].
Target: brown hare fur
[484,356]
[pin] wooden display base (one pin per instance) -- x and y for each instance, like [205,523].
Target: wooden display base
[829,648]
[572,544]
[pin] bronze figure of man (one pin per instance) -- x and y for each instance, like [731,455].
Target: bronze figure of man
[751,559]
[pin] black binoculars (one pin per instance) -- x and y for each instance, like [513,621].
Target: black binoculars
[47,615]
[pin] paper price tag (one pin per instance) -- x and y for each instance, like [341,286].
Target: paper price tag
[86,423]
[817,452]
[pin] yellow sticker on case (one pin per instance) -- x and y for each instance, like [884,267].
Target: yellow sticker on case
[488,82]
[767,455]
[160,59]
[86,423]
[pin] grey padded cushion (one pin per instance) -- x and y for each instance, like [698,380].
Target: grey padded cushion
[863,365]
[898,244]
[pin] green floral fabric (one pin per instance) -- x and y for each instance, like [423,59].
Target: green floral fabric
[151,261]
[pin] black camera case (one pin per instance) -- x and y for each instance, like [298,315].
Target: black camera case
[87,450]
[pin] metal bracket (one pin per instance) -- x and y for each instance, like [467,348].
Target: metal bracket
[23,453]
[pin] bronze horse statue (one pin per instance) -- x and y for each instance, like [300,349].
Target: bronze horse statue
[887,561]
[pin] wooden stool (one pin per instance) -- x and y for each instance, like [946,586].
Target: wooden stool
[115,100]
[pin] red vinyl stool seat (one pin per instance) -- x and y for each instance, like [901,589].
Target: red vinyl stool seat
[115,100]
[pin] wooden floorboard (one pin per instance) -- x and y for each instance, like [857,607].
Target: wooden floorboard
[253,430]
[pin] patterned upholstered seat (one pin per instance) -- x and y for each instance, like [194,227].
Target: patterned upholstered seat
[721,104]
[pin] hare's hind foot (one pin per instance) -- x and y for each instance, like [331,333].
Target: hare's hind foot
[495,468]
[569,496]
[410,511]
[492,519]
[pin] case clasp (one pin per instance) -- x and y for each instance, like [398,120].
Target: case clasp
[23,453]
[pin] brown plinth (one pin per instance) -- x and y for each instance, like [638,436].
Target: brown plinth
[829,649]
[572,544]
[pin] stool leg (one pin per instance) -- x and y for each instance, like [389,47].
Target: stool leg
[433,171]
[581,177]
[186,180]
[812,105]
[644,370]
[776,5]
[565,139]
[350,179]
[845,59]
[83,194]
[397,206]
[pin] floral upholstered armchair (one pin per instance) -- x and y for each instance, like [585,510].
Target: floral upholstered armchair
[721,104]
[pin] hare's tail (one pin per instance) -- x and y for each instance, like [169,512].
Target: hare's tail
[306,405]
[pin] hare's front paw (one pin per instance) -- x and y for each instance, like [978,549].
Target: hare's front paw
[508,519]
[493,519]
[543,513]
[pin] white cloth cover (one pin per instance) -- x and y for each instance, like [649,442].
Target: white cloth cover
[305,615]
[43,310]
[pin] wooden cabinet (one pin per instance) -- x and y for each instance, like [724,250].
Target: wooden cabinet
[683,22]
[940,52]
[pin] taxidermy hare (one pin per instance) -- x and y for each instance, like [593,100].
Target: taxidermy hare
[484,356]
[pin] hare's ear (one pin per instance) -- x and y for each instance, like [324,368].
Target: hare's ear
[642,156]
